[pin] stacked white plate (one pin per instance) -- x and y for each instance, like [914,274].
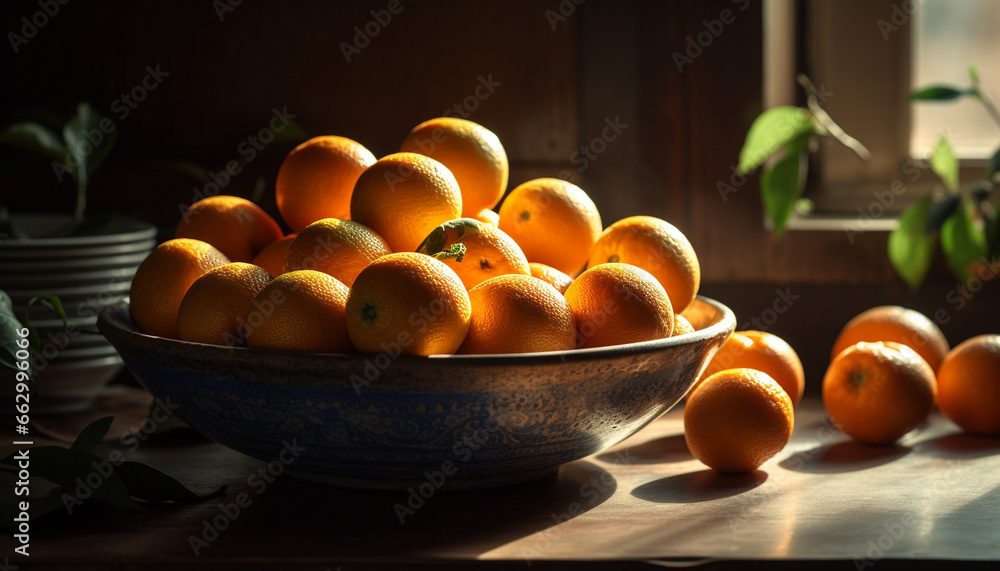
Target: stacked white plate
[87,273]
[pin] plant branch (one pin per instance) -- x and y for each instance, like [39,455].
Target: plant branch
[987,102]
[824,118]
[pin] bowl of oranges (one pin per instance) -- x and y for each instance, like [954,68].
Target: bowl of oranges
[407,331]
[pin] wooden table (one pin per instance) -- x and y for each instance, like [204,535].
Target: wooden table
[646,502]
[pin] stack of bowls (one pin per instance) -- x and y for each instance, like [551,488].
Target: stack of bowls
[87,273]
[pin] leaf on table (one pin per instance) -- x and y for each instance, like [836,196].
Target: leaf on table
[781,185]
[93,434]
[961,242]
[74,469]
[944,163]
[147,483]
[772,130]
[911,248]
[938,93]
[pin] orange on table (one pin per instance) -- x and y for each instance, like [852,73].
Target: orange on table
[737,419]
[301,311]
[408,303]
[471,152]
[164,277]
[553,221]
[316,179]
[877,392]
[216,305]
[340,248]
[656,246]
[272,258]
[765,352]
[488,252]
[403,196]
[551,276]
[899,325]
[234,225]
[681,326]
[487,216]
[518,314]
[969,385]
[619,303]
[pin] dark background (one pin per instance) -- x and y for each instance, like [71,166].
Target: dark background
[564,70]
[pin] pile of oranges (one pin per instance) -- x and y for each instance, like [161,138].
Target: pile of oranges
[889,367]
[410,252]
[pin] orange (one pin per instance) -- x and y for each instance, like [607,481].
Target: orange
[317,178]
[485,252]
[656,246]
[618,303]
[765,352]
[164,277]
[408,303]
[969,385]
[403,197]
[234,225]
[487,216]
[737,419]
[877,392]
[899,325]
[218,302]
[471,152]
[518,314]
[682,326]
[554,222]
[300,311]
[272,258]
[551,276]
[340,248]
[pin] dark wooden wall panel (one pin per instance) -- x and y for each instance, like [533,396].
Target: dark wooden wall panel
[561,80]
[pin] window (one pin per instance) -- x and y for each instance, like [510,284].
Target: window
[867,55]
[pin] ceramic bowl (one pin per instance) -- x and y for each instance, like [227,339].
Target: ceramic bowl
[395,422]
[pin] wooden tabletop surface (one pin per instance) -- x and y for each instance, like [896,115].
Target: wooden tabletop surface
[933,496]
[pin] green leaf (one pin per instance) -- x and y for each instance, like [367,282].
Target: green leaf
[781,185]
[9,328]
[938,93]
[35,138]
[772,130]
[92,435]
[944,163]
[72,469]
[911,248]
[993,165]
[53,303]
[974,76]
[940,212]
[452,231]
[89,138]
[961,242]
[147,483]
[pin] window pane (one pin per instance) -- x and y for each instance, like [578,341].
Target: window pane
[949,36]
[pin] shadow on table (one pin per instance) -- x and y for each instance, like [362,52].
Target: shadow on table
[701,486]
[657,451]
[959,445]
[845,456]
[321,520]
